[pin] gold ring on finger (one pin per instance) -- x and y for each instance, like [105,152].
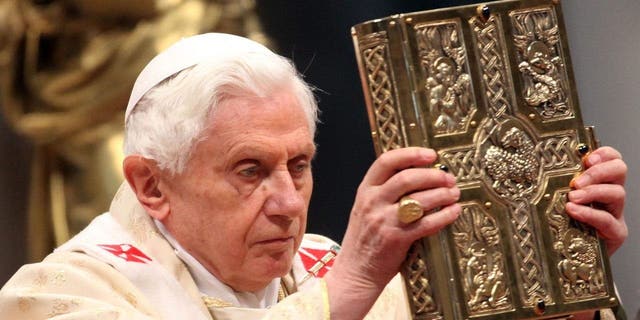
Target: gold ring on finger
[409,210]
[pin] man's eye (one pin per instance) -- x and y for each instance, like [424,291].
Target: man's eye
[249,172]
[299,168]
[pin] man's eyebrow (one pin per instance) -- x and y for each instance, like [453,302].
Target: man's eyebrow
[311,146]
[312,149]
[247,151]
[252,150]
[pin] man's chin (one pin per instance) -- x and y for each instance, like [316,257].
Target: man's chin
[271,264]
[261,275]
[279,265]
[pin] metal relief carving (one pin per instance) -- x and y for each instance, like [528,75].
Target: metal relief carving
[513,172]
[463,164]
[512,169]
[536,35]
[448,85]
[558,152]
[479,248]
[490,46]
[512,164]
[581,276]
[375,55]
[421,291]
[513,252]
[527,255]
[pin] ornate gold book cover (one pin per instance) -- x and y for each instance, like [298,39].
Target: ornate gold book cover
[490,88]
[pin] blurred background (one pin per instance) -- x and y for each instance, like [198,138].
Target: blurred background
[49,119]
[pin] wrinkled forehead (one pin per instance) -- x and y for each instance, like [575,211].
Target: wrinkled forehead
[186,53]
[252,128]
[281,109]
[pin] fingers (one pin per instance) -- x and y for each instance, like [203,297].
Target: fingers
[604,165]
[609,196]
[602,154]
[390,162]
[400,172]
[415,179]
[599,196]
[612,229]
[433,222]
[431,199]
[610,171]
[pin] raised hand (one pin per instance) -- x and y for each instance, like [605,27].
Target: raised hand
[376,241]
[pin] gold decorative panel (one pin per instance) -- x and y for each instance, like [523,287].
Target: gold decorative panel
[490,88]
[444,62]
[479,252]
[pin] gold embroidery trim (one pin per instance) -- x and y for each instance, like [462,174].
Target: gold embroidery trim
[282,292]
[325,300]
[287,286]
[211,302]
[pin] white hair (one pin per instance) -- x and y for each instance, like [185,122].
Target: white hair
[170,118]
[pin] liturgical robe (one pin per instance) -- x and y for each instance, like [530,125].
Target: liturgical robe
[126,266]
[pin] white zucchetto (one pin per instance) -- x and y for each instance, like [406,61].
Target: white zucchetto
[186,53]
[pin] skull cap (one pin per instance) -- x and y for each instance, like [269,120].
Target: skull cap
[187,53]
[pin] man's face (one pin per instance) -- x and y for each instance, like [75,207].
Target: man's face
[240,207]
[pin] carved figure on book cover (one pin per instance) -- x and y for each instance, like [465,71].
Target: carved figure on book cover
[581,275]
[481,262]
[513,165]
[448,83]
[536,36]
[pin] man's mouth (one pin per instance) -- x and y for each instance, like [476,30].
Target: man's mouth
[275,243]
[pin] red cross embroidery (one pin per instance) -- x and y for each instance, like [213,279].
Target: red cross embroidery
[126,252]
[317,261]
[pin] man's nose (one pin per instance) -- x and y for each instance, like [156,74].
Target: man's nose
[284,198]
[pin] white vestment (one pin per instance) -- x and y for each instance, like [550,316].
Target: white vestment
[122,267]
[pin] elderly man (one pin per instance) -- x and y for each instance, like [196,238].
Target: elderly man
[211,222]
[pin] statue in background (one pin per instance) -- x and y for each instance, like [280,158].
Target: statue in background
[66,71]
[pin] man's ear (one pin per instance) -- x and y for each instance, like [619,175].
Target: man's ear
[144,177]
